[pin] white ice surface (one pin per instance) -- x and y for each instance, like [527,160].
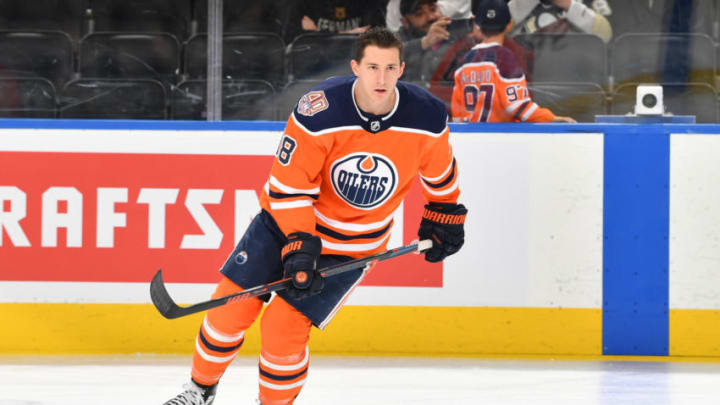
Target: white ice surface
[131,380]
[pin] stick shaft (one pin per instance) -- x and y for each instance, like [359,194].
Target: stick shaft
[169,309]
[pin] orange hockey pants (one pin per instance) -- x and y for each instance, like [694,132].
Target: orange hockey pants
[284,357]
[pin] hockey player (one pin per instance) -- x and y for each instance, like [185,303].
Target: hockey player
[349,154]
[490,85]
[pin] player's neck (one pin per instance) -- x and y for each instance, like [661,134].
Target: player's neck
[366,104]
[496,39]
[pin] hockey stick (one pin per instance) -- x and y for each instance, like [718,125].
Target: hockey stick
[170,310]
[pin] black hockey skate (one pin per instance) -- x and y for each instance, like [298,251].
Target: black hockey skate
[194,394]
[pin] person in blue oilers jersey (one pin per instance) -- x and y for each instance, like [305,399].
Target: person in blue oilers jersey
[349,154]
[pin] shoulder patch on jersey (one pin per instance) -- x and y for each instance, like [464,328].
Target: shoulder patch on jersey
[312,103]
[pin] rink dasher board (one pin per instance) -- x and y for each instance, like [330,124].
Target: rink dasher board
[535,193]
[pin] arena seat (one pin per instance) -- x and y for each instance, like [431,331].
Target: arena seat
[68,16]
[24,97]
[258,56]
[130,55]
[100,98]
[46,54]
[241,100]
[172,16]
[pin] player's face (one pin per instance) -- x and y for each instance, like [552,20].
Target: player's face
[378,72]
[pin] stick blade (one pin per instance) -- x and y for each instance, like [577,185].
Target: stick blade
[161,298]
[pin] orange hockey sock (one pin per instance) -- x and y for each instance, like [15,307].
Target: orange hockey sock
[284,356]
[222,333]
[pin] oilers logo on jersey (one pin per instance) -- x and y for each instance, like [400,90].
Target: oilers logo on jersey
[364,180]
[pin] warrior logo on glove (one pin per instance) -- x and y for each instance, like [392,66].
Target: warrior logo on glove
[444,225]
[299,257]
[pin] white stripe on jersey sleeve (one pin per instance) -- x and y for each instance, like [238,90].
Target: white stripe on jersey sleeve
[514,106]
[529,112]
[442,192]
[291,190]
[290,204]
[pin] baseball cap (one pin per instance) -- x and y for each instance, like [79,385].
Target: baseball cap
[411,6]
[492,14]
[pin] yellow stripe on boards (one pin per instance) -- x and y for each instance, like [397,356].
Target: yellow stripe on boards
[94,329]
[462,331]
[694,332]
[422,331]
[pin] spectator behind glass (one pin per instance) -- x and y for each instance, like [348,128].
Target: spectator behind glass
[334,16]
[428,36]
[560,16]
[490,85]
[455,9]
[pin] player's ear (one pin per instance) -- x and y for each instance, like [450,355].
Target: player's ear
[402,68]
[509,27]
[355,67]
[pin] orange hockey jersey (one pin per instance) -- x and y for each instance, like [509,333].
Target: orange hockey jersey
[490,87]
[341,173]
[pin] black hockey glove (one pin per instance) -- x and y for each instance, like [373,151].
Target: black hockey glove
[299,258]
[444,225]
